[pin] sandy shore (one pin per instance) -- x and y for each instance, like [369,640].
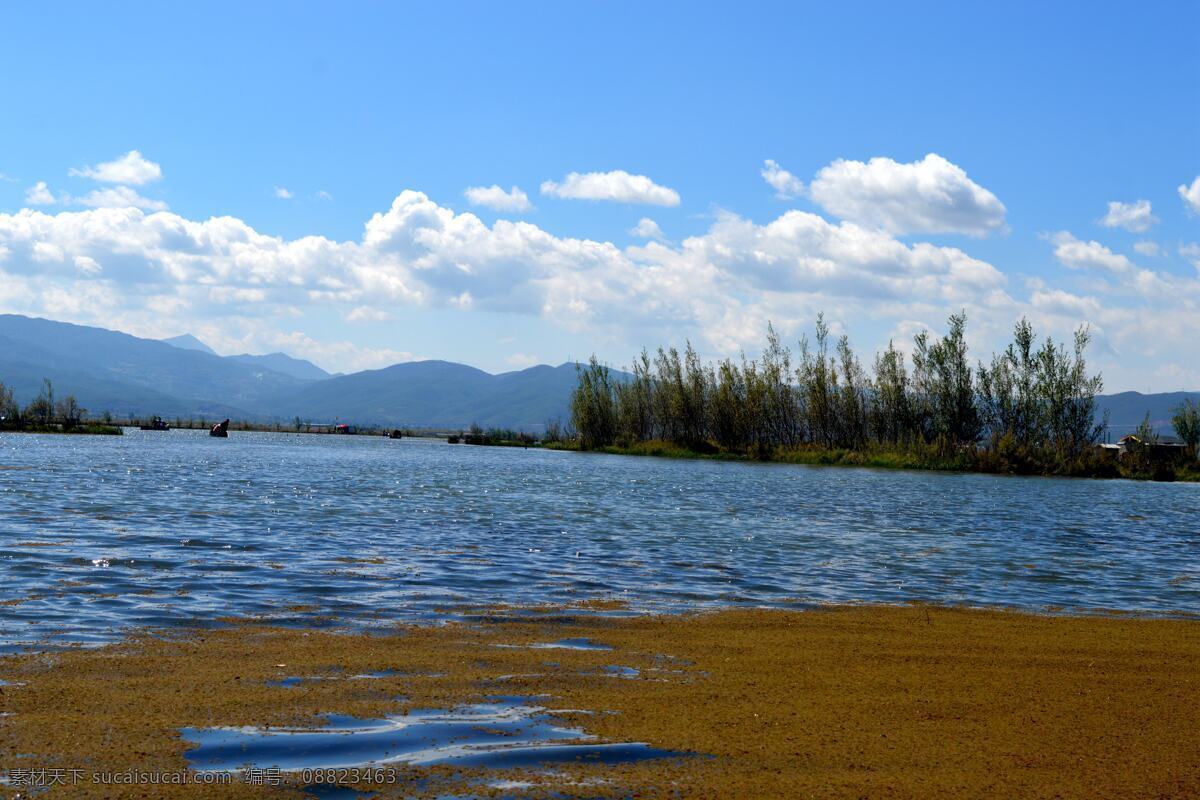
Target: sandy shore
[844,702]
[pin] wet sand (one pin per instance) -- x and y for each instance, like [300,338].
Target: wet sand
[919,702]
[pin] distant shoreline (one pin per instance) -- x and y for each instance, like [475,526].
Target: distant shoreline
[912,460]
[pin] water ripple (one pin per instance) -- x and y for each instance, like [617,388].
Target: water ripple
[100,534]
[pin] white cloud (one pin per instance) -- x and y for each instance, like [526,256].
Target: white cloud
[283,193]
[118,197]
[1076,254]
[321,194]
[616,186]
[1147,248]
[367,314]
[495,198]
[39,195]
[1135,217]
[87,265]
[1191,251]
[927,196]
[132,169]
[240,290]
[786,185]
[1191,195]
[522,360]
[647,229]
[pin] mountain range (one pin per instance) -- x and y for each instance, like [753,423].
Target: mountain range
[182,377]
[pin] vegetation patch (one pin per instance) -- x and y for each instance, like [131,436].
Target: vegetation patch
[914,701]
[1030,411]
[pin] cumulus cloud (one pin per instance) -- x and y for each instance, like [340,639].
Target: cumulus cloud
[523,360]
[39,195]
[616,186]
[118,197]
[283,193]
[132,169]
[1191,251]
[927,196]
[1147,248]
[367,314]
[1135,217]
[237,288]
[495,198]
[785,184]
[647,229]
[1076,254]
[1191,195]
[418,253]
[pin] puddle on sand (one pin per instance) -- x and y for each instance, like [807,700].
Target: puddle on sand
[502,734]
[622,672]
[572,644]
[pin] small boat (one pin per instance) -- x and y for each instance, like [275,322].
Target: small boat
[156,424]
[221,429]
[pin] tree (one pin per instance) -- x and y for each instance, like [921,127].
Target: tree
[635,403]
[891,417]
[9,413]
[727,411]
[955,414]
[592,407]
[817,379]
[69,411]
[41,408]
[1187,424]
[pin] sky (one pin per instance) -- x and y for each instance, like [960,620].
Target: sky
[511,184]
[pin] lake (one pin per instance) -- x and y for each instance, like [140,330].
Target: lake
[99,534]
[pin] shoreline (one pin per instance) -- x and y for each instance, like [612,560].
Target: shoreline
[911,461]
[840,701]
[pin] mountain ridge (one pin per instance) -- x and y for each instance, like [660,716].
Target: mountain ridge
[131,376]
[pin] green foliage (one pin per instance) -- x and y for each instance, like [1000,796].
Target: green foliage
[1031,410]
[1187,424]
[592,405]
[10,414]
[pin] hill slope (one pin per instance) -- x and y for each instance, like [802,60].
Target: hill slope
[130,376]
[1127,410]
[185,341]
[436,394]
[284,364]
[124,374]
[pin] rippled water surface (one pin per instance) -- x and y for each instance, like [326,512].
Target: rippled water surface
[101,533]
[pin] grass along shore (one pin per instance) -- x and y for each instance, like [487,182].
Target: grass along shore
[851,701]
[929,458]
[85,428]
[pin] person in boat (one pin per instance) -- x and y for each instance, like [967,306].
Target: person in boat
[220,429]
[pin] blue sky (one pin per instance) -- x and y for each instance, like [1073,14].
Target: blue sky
[1039,116]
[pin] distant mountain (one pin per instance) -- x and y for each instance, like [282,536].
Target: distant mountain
[285,364]
[130,376]
[436,394]
[1127,410]
[186,341]
[127,375]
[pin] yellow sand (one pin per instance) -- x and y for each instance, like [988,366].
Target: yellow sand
[919,702]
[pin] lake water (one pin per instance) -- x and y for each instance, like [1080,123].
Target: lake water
[98,534]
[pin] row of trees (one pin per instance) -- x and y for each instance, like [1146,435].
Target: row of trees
[1034,396]
[43,410]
